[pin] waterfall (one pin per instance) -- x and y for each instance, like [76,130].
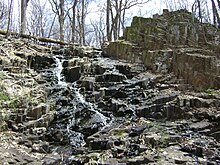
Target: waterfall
[58,71]
[91,107]
[74,114]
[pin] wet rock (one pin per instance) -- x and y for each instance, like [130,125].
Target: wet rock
[139,160]
[110,77]
[174,155]
[115,92]
[37,112]
[136,131]
[39,62]
[127,95]
[51,159]
[98,144]
[72,74]
[202,125]
[216,135]
[163,98]
[124,69]
[99,69]
[117,105]
[42,147]
[193,149]
[88,83]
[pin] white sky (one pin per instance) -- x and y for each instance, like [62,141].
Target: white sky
[154,6]
[146,10]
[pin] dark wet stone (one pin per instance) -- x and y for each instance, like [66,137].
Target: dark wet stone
[40,61]
[72,74]
[88,83]
[97,144]
[216,135]
[139,160]
[110,77]
[42,147]
[52,159]
[99,70]
[37,112]
[124,69]
[198,126]
[136,131]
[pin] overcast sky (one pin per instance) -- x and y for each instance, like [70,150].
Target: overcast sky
[145,10]
[152,7]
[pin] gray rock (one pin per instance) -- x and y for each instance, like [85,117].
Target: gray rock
[72,74]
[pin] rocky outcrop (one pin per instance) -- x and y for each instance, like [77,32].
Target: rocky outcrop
[152,120]
[25,110]
[85,109]
[198,67]
[110,111]
[75,67]
[158,41]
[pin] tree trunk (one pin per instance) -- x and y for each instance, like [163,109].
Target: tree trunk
[119,19]
[116,21]
[218,1]
[24,4]
[200,10]
[74,21]
[9,17]
[61,20]
[51,27]
[83,23]
[108,20]
[216,18]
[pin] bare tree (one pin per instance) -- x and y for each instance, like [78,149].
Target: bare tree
[3,14]
[176,4]
[117,12]
[58,8]
[9,16]
[200,10]
[108,7]
[24,4]
[216,19]
[38,18]
[99,31]
[72,18]
[82,27]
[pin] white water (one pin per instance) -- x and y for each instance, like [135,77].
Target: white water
[78,95]
[58,71]
[91,106]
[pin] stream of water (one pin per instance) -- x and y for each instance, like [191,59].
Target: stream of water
[75,111]
[58,71]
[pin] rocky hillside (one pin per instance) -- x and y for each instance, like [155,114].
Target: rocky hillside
[173,42]
[24,105]
[154,101]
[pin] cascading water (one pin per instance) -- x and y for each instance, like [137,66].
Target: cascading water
[58,71]
[92,107]
[76,118]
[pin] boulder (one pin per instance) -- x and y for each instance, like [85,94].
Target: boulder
[110,77]
[39,62]
[200,70]
[72,74]
[88,83]
[37,112]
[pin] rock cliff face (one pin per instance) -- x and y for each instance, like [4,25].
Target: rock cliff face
[65,106]
[74,106]
[25,110]
[172,42]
